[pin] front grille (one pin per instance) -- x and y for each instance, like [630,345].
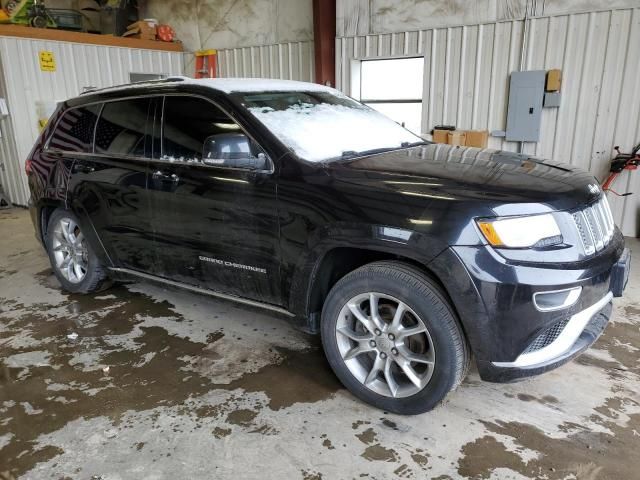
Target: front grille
[547,337]
[595,225]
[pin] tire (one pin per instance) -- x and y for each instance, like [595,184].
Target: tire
[65,249]
[426,337]
[38,22]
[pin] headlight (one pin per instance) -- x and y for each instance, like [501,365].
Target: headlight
[521,232]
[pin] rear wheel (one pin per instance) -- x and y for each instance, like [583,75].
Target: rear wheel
[392,338]
[74,263]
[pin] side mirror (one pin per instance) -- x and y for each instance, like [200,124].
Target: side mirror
[261,162]
[233,150]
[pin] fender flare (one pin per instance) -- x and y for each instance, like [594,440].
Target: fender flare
[377,240]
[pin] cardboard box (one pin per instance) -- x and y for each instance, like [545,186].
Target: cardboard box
[554,80]
[440,136]
[457,137]
[90,10]
[141,29]
[477,138]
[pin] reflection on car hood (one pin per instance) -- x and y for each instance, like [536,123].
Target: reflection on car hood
[465,173]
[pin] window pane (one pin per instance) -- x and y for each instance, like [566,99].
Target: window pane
[189,121]
[408,113]
[397,79]
[74,132]
[122,128]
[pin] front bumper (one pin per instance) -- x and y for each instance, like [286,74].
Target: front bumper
[511,338]
[582,330]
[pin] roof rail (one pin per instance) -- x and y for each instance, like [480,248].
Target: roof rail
[173,78]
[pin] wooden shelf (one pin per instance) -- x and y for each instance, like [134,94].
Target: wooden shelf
[7,30]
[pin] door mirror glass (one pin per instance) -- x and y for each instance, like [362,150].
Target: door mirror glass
[233,150]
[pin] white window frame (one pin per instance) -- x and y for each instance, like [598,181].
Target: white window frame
[356,86]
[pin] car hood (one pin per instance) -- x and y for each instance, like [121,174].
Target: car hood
[505,183]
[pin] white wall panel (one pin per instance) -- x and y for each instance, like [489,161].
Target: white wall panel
[286,61]
[78,66]
[467,81]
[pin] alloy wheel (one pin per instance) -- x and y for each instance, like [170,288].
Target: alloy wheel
[70,250]
[385,345]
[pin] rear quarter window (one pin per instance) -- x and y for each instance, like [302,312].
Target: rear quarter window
[74,131]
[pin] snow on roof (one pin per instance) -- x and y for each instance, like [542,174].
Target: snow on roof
[227,85]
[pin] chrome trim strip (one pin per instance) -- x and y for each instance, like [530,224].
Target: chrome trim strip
[203,291]
[563,343]
[570,300]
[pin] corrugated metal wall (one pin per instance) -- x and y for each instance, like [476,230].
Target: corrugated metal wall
[286,61]
[467,73]
[78,66]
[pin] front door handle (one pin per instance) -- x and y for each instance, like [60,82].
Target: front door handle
[165,176]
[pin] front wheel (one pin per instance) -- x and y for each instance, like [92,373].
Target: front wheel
[392,338]
[74,263]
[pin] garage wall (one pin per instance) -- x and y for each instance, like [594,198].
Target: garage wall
[366,17]
[78,66]
[205,24]
[287,61]
[467,73]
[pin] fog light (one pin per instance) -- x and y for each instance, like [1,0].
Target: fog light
[556,299]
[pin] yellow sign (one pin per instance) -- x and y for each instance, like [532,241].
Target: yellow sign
[47,61]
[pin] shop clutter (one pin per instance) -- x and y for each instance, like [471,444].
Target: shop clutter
[149,29]
[107,17]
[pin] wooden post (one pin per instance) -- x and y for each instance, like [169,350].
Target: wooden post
[324,39]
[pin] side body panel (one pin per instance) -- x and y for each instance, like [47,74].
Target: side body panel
[109,194]
[216,227]
[108,191]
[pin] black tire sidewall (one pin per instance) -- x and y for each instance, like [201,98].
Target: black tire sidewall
[434,311]
[93,263]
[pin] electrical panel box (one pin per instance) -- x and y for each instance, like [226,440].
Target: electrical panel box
[526,96]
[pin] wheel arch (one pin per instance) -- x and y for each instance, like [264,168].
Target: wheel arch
[44,211]
[309,292]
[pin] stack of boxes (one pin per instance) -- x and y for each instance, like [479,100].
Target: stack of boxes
[464,138]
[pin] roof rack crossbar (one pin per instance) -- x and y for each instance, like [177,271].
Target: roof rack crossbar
[173,78]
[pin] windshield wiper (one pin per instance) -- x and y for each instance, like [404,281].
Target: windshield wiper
[352,153]
[413,144]
[373,151]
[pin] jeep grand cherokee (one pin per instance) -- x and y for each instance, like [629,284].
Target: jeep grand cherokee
[406,256]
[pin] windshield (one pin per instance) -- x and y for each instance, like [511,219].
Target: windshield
[320,126]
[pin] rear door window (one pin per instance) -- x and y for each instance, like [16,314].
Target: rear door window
[125,128]
[74,132]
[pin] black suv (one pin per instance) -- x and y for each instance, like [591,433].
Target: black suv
[406,256]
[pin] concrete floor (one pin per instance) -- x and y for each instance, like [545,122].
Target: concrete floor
[167,384]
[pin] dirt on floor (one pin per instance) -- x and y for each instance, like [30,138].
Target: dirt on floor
[141,381]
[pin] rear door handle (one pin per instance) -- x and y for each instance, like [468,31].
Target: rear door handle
[165,176]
